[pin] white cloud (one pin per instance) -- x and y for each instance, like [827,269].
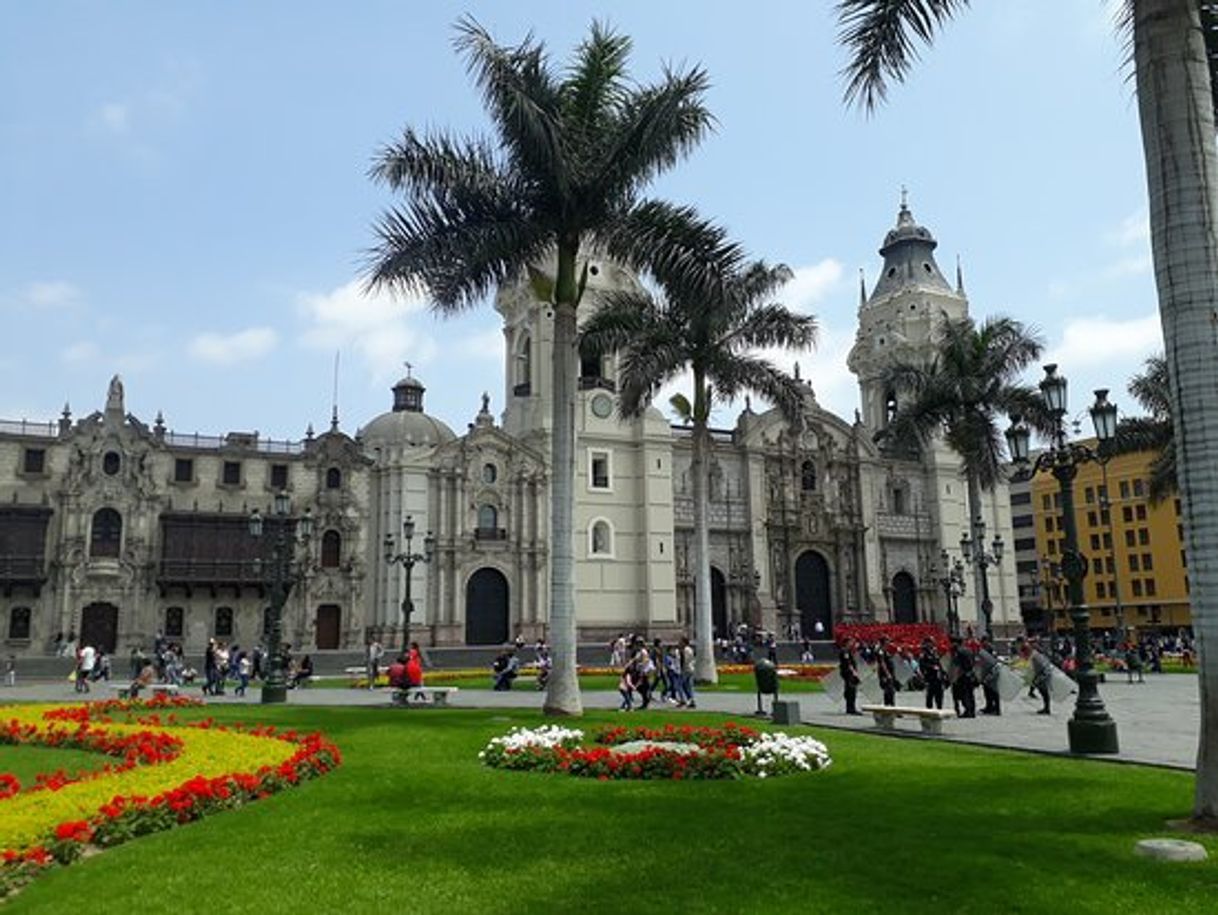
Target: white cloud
[80,352]
[114,117]
[1100,341]
[381,329]
[810,284]
[1133,230]
[51,294]
[225,349]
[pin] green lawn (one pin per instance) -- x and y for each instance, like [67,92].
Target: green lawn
[413,821]
[27,762]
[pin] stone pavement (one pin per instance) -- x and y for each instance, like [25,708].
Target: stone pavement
[1158,721]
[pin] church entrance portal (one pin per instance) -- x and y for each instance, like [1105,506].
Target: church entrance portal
[486,608]
[812,594]
[99,627]
[328,618]
[719,604]
[904,598]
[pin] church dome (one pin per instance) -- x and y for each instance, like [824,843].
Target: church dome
[406,424]
[909,258]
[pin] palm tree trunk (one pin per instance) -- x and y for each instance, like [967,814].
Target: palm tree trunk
[562,691]
[1175,108]
[704,641]
[980,586]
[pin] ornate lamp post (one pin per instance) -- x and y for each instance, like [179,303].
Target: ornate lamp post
[407,559]
[974,552]
[951,580]
[283,572]
[1091,729]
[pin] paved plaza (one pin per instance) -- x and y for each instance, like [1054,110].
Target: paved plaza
[1158,721]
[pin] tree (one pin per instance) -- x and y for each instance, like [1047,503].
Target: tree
[571,152]
[962,394]
[1154,431]
[710,320]
[1175,52]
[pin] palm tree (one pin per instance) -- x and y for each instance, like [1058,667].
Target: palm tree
[1153,432]
[713,329]
[1175,53]
[960,395]
[572,150]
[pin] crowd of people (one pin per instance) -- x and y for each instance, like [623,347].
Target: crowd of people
[663,670]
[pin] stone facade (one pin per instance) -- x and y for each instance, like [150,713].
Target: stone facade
[119,530]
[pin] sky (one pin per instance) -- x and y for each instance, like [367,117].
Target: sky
[184,196]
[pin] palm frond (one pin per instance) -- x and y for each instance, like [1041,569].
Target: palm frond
[594,85]
[1151,387]
[881,37]
[734,375]
[1163,481]
[621,316]
[773,325]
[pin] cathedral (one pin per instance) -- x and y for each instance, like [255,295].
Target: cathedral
[113,530]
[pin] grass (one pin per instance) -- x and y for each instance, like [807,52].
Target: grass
[27,762]
[413,821]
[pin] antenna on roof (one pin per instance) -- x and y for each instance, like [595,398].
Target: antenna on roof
[334,397]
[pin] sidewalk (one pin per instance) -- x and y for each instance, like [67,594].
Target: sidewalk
[1158,721]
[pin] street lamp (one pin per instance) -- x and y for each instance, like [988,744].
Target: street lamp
[974,552]
[284,571]
[1091,729]
[951,580]
[407,559]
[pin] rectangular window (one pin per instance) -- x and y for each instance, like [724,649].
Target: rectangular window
[1105,516]
[1110,565]
[1095,541]
[599,470]
[1097,565]
[1052,547]
[279,476]
[1131,539]
[1127,514]
[1091,519]
[1148,562]
[1100,591]
[1177,504]
[175,623]
[1183,559]
[1017,498]
[1023,521]
[1124,489]
[1140,512]
[1143,536]
[183,470]
[1133,562]
[1137,587]
[1025,543]
[231,474]
[1089,495]
[1139,488]
[1150,587]
[1103,493]
[1180,532]
[34,460]
[1049,524]
[1108,541]
[1046,502]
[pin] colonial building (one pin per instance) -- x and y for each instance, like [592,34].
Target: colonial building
[114,530]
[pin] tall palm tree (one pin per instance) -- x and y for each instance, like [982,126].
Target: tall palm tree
[571,151]
[1154,431]
[962,394]
[1175,60]
[713,329]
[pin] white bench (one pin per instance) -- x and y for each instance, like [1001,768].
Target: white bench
[423,695]
[931,718]
[124,689]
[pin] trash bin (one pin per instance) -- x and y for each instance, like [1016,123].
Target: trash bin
[766,675]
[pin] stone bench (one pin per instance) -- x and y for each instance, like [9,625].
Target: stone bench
[124,689]
[436,696]
[931,718]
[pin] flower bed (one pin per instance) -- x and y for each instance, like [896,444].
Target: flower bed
[903,635]
[168,773]
[665,753]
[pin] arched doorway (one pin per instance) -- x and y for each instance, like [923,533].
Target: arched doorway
[99,627]
[486,608]
[812,594]
[329,618]
[718,604]
[904,598]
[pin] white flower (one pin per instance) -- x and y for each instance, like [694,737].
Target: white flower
[545,737]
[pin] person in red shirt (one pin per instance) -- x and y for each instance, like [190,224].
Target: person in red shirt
[414,666]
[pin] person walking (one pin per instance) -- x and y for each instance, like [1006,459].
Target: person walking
[1042,670]
[963,679]
[687,674]
[932,674]
[373,660]
[245,667]
[886,671]
[848,667]
[988,667]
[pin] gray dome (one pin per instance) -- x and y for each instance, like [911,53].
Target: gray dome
[909,259]
[404,427]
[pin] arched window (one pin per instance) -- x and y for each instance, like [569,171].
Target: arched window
[111,463]
[224,622]
[807,476]
[600,538]
[19,623]
[488,517]
[107,533]
[334,478]
[175,622]
[524,361]
[331,549]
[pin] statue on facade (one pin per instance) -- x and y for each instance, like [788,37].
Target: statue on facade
[114,396]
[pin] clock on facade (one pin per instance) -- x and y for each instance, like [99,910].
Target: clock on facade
[602,405]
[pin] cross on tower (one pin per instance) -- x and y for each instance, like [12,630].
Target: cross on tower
[904,196]
[409,369]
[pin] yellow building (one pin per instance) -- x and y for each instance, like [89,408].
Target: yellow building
[1137,573]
